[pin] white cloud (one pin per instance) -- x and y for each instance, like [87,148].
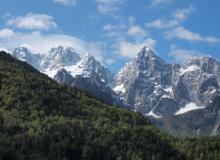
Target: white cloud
[182,55]
[66,2]
[159,2]
[182,14]
[137,32]
[40,43]
[6,33]
[126,30]
[110,27]
[182,33]
[175,19]
[162,24]
[173,28]
[128,38]
[33,21]
[108,6]
[130,49]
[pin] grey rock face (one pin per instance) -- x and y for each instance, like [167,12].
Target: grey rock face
[62,76]
[150,85]
[24,54]
[145,80]
[198,80]
[96,83]
[216,129]
[59,57]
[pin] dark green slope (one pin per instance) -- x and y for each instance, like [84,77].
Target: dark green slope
[40,119]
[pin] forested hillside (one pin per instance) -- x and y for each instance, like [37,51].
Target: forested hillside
[40,119]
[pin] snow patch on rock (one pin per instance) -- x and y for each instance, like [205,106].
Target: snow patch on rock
[120,89]
[188,107]
[152,114]
[188,69]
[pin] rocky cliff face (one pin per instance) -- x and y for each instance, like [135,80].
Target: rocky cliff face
[66,66]
[155,88]
[143,81]
[24,54]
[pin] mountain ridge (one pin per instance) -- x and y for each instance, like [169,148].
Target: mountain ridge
[147,84]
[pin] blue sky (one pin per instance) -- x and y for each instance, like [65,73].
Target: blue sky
[113,30]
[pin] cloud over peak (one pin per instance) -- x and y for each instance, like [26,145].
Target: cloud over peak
[130,49]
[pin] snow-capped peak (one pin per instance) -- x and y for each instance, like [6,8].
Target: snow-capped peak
[24,54]
[201,60]
[91,66]
[60,57]
[21,53]
[146,51]
[62,49]
[87,60]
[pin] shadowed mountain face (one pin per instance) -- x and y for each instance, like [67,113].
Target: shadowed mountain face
[147,84]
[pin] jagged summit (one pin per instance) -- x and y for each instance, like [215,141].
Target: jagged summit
[89,60]
[60,57]
[204,64]
[24,54]
[147,59]
[198,60]
[146,52]
[61,49]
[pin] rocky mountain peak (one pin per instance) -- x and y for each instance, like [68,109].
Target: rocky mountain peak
[199,60]
[24,54]
[62,49]
[59,57]
[88,60]
[204,64]
[146,51]
[92,67]
[147,59]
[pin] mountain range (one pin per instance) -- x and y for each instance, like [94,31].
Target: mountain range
[42,119]
[172,95]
